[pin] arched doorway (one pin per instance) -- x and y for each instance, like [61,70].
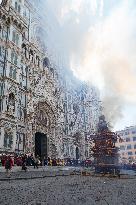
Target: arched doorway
[41,145]
[77,153]
[45,121]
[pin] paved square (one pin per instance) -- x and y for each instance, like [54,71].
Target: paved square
[69,190]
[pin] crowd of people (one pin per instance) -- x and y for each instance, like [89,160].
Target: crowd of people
[23,160]
[8,161]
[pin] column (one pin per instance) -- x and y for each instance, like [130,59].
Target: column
[14,139]
[2,137]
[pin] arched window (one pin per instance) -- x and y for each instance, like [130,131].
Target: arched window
[77,153]
[19,9]
[5,140]
[12,56]
[17,39]
[12,73]
[16,5]
[14,36]
[16,59]
[8,140]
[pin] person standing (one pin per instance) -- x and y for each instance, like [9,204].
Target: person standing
[24,167]
[36,162]
[48,161]
[8,165]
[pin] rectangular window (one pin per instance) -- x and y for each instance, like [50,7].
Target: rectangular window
[127,139]
[129,146]
[122,147]
[126,133]
[134,132]
[130,153]
[135,146]
[134,138]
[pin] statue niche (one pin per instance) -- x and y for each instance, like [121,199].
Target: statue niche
[11,103]
[42,118]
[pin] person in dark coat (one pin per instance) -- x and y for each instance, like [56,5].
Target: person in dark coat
[24,167]
[8,165]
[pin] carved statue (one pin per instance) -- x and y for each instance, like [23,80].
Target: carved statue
[11,103]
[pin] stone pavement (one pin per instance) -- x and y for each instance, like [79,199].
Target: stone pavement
[70,190]
[43,168]
[41,172]
[48,171]
[65,186]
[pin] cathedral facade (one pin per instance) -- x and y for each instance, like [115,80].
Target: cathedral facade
[41,111]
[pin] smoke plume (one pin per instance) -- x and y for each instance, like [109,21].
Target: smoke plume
[97,40]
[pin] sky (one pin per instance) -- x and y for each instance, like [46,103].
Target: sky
[97,38]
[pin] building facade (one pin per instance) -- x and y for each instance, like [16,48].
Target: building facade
[40,109]
[128,146]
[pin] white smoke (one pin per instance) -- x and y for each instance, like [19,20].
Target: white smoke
[97,37]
